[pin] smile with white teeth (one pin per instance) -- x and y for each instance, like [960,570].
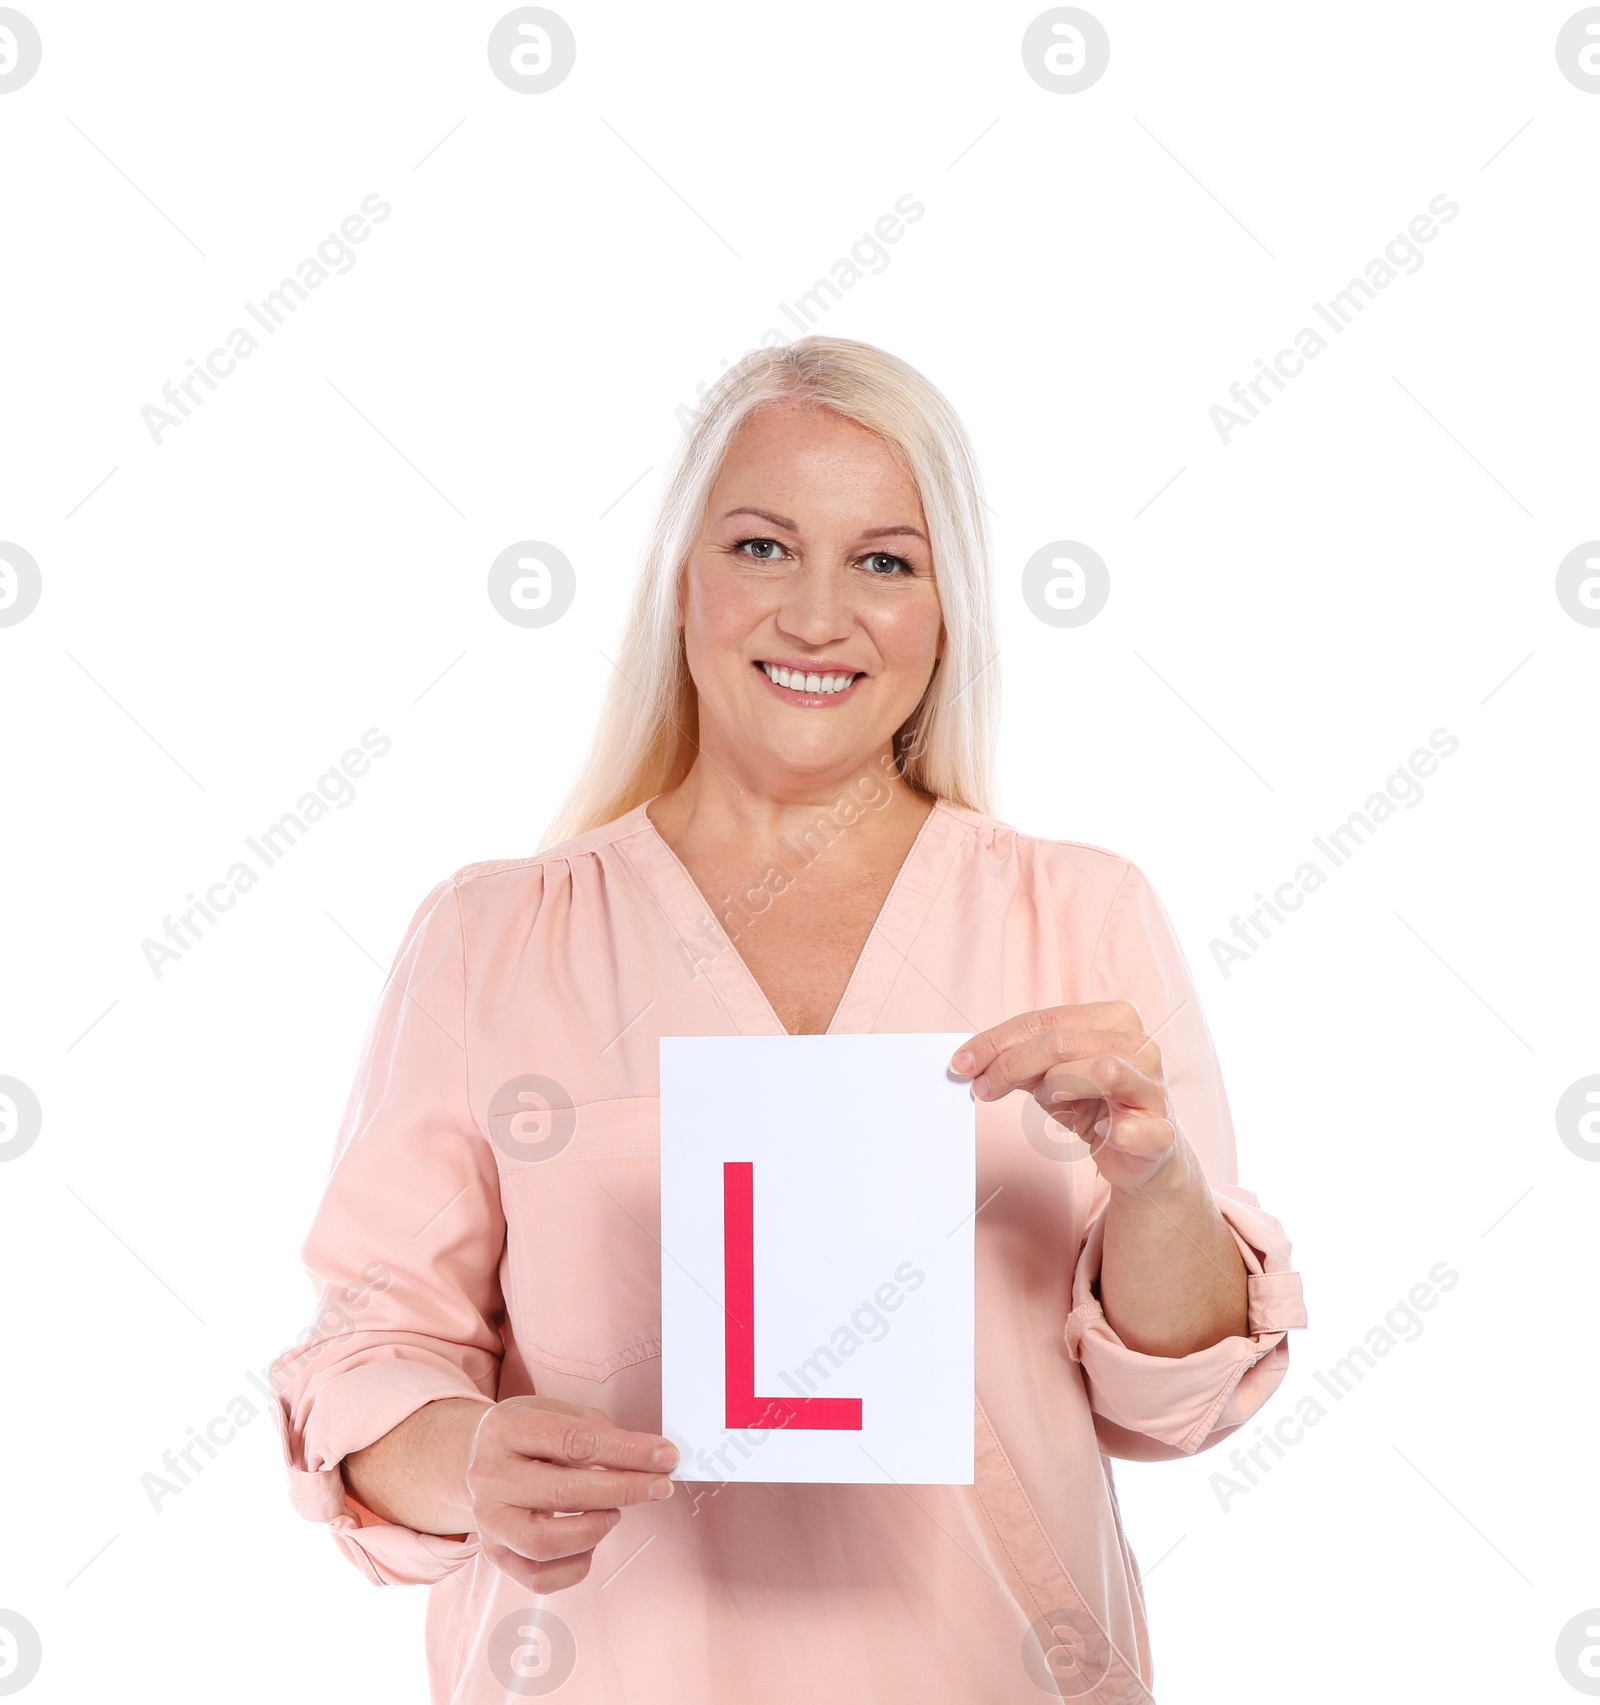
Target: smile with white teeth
[797,682]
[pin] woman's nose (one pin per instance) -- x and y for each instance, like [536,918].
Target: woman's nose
[816,604]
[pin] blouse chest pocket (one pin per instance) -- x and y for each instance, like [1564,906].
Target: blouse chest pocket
[582,1201]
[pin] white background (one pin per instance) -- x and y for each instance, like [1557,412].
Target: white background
[1374,558]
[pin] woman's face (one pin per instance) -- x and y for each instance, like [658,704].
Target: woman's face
[813,567]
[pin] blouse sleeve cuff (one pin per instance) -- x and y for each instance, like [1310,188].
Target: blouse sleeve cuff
[1193,1401]
[369,1401]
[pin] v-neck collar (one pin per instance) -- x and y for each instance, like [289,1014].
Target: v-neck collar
[894,930]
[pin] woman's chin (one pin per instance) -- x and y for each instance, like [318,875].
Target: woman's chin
[801,760]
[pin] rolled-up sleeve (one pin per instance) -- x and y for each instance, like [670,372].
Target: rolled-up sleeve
[1154,1407]
[404,1251]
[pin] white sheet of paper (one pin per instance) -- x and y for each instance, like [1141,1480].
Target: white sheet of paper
[850,1357]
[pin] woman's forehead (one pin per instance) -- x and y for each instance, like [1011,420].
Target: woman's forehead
[781,465]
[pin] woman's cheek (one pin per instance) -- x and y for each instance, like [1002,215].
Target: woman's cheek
[911,637]
[726,607]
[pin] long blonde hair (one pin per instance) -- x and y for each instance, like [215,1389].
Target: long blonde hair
[645,741]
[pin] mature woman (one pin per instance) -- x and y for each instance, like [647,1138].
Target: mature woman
[782,827]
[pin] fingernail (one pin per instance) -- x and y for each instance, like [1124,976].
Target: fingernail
[1101,1126]
[661,1489]
[962,1062]
[666,1456]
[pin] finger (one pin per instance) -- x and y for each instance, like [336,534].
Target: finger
[975,1054]
[1097,1070]
[530,1483]
[546,1486]
[540,1577]
[1109,1080]
[573,1433]
[610,1446]
[544,1537]
[1141,1136]
[1078,1116]
[1132,1045]
[1021,1066]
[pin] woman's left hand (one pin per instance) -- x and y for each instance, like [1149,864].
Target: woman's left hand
[1092,1068]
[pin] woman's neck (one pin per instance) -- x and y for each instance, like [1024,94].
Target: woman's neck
[872,808]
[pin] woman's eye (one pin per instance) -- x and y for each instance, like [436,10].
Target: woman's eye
[883,564]
[760,548]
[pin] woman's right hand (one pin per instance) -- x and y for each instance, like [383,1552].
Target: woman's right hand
[533,1457]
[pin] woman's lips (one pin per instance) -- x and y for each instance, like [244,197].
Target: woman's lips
[812,701]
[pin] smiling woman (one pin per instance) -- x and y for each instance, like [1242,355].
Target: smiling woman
[859,448]
[803,714]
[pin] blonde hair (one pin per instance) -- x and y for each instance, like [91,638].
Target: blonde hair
[645,741]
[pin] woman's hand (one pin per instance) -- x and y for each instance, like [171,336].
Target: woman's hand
[1094,1070]
[534,1457]
[1172,1279]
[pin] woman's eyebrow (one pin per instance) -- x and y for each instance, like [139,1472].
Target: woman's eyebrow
[766,515]
[889,532]
[785,522]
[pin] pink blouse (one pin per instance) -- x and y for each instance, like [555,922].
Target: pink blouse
[453,1258]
